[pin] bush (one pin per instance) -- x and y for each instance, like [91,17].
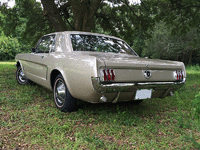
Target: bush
[193,67]
[9,47]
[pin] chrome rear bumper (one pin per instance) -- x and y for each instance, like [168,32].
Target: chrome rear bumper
[129,87]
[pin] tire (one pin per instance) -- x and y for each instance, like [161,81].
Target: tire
[20,77]
[62,97]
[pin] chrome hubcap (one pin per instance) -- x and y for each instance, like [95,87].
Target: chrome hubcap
[60,92]
[22,77]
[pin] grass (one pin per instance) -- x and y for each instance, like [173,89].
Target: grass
[30,120]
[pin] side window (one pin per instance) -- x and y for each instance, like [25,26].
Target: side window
[46,44]
[42,46]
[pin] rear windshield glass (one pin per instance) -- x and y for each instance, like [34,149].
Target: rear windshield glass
[82,42]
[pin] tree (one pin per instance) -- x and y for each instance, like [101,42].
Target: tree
[163,45]
[120,18]
[117,17]
[180,15]
[135,23]
[9,47]
[53,14]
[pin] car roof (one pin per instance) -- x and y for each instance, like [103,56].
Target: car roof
[81,32]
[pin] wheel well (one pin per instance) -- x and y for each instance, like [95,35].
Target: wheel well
[54,74]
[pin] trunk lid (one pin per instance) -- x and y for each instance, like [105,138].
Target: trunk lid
[129,68]
[123,61]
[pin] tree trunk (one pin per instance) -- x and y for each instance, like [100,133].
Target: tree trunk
[83,11]
[53,14]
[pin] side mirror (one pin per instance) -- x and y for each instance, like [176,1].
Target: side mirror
[33,50]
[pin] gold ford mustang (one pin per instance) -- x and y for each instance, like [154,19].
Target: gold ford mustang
[96,68]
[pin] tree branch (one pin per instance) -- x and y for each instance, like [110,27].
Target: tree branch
[125,1]
[192,6]
[144,6]
[70,24]
[67,4]
[63,8]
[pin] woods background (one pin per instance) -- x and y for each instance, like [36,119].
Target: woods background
[163,29]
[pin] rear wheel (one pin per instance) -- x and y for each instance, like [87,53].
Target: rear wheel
[62,97]
[20,77]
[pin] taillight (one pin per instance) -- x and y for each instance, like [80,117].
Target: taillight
[107,75]
[178,75]
[113,75]
[104,75]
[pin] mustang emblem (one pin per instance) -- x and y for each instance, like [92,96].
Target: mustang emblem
[147,74]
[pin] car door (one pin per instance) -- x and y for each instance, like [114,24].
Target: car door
[37,66]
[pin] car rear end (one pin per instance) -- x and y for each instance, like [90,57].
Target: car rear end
[135,78]
[120,74]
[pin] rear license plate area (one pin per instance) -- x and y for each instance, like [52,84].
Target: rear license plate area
[143,94]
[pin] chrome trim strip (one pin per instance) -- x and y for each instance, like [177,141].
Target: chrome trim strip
[130,87]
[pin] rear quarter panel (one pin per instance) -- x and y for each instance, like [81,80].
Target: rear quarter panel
[77,71]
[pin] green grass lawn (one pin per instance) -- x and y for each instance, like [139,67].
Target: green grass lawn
[30,120]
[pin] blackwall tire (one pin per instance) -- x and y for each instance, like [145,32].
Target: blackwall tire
[20,77]
[62,97]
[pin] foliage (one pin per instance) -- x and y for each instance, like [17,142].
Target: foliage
[123,20]
[116,18]
[25,21]
[138,42]
[9,47]
[9,20]
[148,26]
[30,119]
[163,45]
[36,24]
[180,15]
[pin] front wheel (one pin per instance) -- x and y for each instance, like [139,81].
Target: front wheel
[62,97]
[20,77]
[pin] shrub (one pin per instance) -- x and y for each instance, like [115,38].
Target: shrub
[9,47]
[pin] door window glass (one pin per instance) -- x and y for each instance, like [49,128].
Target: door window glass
[46,44]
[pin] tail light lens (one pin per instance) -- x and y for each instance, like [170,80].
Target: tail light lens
[107,75]
[178,75]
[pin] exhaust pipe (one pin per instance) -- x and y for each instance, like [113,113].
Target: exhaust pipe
[103,99]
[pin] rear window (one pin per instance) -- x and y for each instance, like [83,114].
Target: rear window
[82,42]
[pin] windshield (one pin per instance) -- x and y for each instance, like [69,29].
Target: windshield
[82,42]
